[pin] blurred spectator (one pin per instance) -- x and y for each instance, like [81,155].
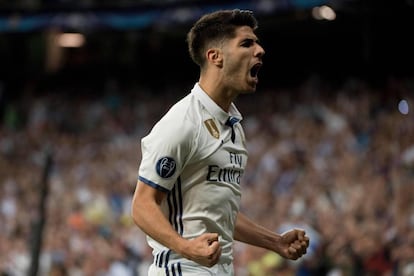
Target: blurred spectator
[337,161]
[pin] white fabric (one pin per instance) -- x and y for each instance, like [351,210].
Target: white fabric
[199,168]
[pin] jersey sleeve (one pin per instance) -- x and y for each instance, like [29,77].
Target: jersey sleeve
[164,152]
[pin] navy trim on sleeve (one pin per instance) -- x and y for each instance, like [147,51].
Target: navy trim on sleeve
[152,184]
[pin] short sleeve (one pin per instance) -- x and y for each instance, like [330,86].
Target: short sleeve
[164,152]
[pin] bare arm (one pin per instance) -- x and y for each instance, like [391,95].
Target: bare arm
[291,245]
[148,216]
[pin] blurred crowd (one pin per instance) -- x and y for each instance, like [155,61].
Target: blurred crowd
[336,160]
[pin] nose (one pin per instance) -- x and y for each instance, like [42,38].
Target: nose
[259,51]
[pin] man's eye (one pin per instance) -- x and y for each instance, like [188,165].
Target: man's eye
[247,43]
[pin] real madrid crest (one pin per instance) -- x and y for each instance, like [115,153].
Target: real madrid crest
[212,128]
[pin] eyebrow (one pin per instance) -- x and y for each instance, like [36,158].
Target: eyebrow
[251,39]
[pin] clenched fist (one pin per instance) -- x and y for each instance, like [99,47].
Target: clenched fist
[293,244]
[204,250]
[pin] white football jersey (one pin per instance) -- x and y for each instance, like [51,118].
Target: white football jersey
[198,160]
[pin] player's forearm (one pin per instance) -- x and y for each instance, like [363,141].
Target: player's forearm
[247,231]
[148,217]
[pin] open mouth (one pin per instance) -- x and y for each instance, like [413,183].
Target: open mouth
[254,71]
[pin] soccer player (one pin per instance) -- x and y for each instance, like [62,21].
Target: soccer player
[188,192]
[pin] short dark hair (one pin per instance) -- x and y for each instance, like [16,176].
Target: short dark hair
[216,27]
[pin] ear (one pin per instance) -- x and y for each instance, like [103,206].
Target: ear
[215,56]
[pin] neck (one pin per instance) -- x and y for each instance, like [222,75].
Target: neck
[215,89]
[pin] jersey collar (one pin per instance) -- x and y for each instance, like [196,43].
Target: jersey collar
[213,108]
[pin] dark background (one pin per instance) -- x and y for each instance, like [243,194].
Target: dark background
[369,39]
[135,49]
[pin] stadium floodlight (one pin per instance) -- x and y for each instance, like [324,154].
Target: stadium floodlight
[70,40]
[323,13]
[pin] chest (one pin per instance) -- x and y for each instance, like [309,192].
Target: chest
[218,158]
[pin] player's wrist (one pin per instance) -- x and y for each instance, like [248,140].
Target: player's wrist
[181,247]
[276,243]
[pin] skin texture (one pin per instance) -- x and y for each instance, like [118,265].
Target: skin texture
[227,74]
[147,214]
[224,77]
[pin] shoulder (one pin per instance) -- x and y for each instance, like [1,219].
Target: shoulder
[180,124]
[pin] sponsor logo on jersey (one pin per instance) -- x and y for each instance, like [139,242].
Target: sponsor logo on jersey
[166,167]
[229,175]
[212,128]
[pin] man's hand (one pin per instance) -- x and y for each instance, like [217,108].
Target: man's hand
[204,250]
[293,244]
